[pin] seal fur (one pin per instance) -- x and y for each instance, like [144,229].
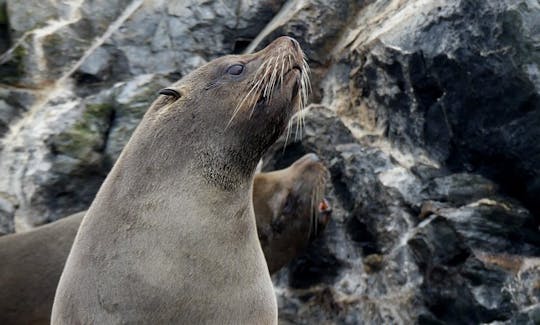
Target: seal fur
[31,264]
[171,234]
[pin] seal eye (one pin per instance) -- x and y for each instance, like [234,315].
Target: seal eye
[170,92]
[235,69]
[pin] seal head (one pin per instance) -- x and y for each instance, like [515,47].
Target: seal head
[294,208]
[231,110]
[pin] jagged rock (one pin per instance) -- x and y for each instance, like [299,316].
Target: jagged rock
[7,212]
[380,261]
[131,100]
[4,35]
[66,165]
[457,79]
[13,104]
[28,15]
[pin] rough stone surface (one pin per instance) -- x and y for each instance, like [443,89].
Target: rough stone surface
[426,113]
[445,261]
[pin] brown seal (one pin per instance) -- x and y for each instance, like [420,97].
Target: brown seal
[289,202]
[30,266]
[171,234]
[33,261]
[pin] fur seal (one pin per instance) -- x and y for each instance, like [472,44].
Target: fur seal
[289,201]
[31,264]
[171,234]
[33,261]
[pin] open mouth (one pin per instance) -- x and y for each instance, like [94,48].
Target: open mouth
[295,87]
[296,68]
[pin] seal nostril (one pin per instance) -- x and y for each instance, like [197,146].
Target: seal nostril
[313,157]
[294,43]
[295,89]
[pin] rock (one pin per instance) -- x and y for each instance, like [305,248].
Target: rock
[524,288]
[96,63]
[440,79]
[7,211]
[379,261]
[28,15]
[13,104]
[496,227]
[460,189]
[66,166]
[131,101]
[4,34]
[7,113]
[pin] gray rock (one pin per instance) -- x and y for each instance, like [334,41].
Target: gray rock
[7,211]
[4,34]
[25,16]
[131,100]
[439,77]
[6,115]
[96,62]
[384,260]
[13,103]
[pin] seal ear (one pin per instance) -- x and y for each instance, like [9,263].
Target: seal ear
[170,92]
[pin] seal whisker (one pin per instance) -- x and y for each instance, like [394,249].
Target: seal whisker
[253,98]
[256,95]
[241,104]
[273,78]
[287,135]
[266,75]
[297,130]
[312,222]
[282,71]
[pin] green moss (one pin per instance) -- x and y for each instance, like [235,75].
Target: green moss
[77,143]
[52,43]
[85,139]
[19,53]
[99,111]
[13,69]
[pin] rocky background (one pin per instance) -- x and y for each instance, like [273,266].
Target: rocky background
[427,113]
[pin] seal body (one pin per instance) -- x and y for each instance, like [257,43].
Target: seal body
[171,234]
[30,266]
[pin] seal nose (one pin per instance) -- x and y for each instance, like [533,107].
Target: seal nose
[294,43]
[288,41]
[307,160]
[312,157]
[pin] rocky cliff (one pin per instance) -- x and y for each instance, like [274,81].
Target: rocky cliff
[427,113]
